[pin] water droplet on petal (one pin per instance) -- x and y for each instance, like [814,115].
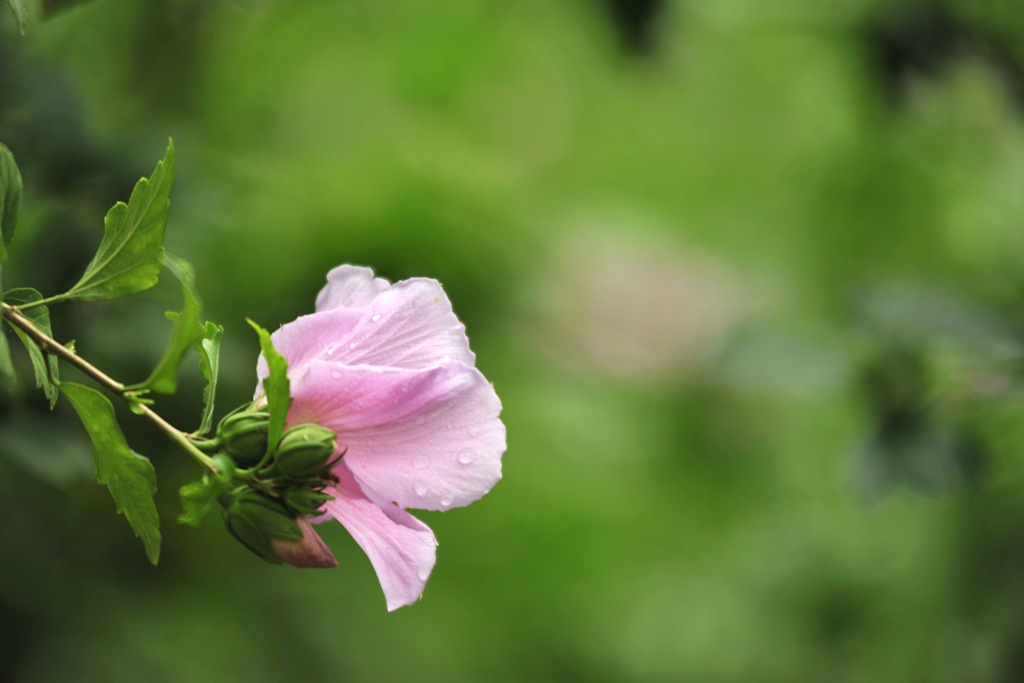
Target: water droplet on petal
[447,498]
[420,488]
[423,573]
[336,373]
[375,317]
[352,345]
[466,457]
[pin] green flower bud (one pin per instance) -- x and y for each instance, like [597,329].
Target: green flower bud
[256,520]
[249,534]
[244,435]
[305,450]
[305,501]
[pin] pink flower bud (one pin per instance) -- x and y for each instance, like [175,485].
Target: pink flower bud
[310,552]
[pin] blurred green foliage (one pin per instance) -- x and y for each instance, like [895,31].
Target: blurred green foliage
[748,279]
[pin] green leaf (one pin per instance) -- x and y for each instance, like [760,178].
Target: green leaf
[208,349]
[199,499]
[45,366]
[187,330]
[7,375]
[20,10]
[10,198]
[128,258]
[276,387]
[130,477]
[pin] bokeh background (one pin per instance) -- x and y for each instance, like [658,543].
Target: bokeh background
[748,276]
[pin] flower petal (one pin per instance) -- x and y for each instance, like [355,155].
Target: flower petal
[351,287]
[401,548]
[318,335]
[428,439]
[409,325]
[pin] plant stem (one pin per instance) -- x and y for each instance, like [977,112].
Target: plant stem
[56,298]
[55,348]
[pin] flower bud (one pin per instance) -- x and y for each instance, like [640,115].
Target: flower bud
[310,552]
[304,500]
[305,450]
[255,520]
[245,435]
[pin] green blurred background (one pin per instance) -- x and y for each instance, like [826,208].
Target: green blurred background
[748,276]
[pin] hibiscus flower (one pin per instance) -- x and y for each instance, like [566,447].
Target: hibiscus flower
[388,367]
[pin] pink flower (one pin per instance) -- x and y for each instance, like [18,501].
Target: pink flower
[388,367]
